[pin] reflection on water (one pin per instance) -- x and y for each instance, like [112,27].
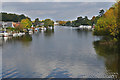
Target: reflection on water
[24,38]
[60,53]
[111,56]
[49,32]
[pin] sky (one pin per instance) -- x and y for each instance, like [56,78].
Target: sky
[58,0]
[55,10]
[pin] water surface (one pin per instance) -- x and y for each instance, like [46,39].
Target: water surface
[60,53]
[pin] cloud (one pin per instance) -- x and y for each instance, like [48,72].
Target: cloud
[56,10]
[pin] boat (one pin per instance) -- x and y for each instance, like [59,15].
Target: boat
[44,28]
[6,34]
[30,32]
[10,34]
[50,27]
[23,33]
[15,34]
[36,29]
[20,34]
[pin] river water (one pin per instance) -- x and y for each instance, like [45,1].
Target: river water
[60,53]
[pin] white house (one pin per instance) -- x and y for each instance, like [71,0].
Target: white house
[6,24]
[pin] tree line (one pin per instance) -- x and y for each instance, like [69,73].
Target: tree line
[13,17]
[24,22]
[46,23]
[82,20]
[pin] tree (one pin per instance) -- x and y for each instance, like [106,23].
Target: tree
[118,18]
[26,23]
[62,23]
[93,20]
[107,24]
[85,21]
[36,22]
[48,23]
[19,28]
[101,12]
[68,23]
[13,17]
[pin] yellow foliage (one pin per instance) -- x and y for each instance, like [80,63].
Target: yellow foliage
[108,22]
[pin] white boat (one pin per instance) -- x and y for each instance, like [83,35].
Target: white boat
[23,33]
[44,28]
[15,34]
[20,34]
[10,34]
[50,28]
[6,34]
[30,32]
[36,29]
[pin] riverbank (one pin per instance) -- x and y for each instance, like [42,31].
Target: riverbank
[7,33]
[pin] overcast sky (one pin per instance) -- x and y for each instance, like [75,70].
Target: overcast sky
[56,10]
[58,0]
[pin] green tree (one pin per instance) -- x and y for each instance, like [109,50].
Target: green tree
[36,22]
[48,23]
[13,17]
[26,23]
[101,13]
[68,23]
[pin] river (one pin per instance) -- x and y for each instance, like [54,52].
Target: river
[60,53]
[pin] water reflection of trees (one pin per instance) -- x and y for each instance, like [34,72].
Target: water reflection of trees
[49,32]
[81,32]
[25,39]
[111,53]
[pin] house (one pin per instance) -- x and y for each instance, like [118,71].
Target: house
[16,24]
[6,24]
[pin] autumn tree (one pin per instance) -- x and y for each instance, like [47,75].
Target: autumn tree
[107,24]
[62,23]
[26,23]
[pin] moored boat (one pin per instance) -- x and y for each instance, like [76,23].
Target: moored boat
[20,34]
[10,34]
[15,34]
[30,32]
[36,29]
[6,34]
